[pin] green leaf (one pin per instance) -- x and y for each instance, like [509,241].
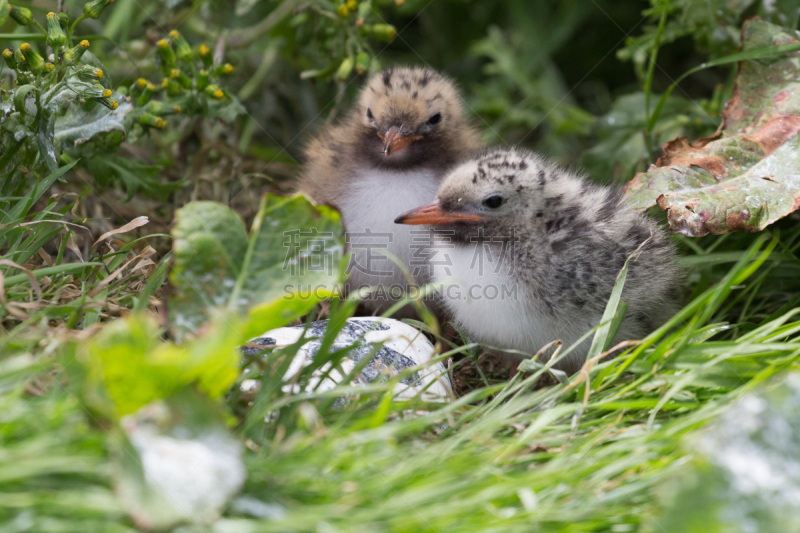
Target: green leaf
[621,149]
[293,248]
[133,173]
[227,109]
[67,268]
[130,365]
[21,208]
[747,175]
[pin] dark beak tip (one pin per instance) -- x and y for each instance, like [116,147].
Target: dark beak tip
[400,219]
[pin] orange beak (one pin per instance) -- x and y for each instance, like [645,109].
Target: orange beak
[394,140]
[432,215]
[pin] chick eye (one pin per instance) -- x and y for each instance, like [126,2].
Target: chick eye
[493,202]
[435,119]
[369,114]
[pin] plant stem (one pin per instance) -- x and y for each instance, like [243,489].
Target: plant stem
[648,83]
[72,28]
[23,36]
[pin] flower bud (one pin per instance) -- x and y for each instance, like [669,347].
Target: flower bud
[362,62]
[94,8]
[147,94]
[63,20]
[138,86]
[205,55]
[49,67]
[202,80]
[161,109]
[214,91]
[345,69]
[387,32]
[172,87]
[343,10]
[166,53]
[109,102]
[223,70]
[352,4]
[8,57]
[147,119]
[73,55]
[181,78]
[22,64]
[32,57]
[182,48]
[21,15]
[89,73]
[55,33]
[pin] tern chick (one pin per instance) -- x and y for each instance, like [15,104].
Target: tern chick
[530,253]
[388,155]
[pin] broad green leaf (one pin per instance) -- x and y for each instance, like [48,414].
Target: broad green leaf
[746,176]
[290,260]
[131,366]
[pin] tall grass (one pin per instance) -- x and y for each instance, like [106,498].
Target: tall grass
[584,455]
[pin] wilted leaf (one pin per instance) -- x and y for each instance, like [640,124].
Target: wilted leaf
[132,367]
[137,222]
[290,260]
[179,464]
[746,176]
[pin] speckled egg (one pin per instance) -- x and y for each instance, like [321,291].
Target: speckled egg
[402,347]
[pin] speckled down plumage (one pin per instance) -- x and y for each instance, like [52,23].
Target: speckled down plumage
[346,167]
[563,241]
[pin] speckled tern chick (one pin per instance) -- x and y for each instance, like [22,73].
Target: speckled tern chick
[530,253]
[389,154]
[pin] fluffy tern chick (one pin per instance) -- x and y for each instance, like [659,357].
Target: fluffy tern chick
[530,253]
[388,155]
